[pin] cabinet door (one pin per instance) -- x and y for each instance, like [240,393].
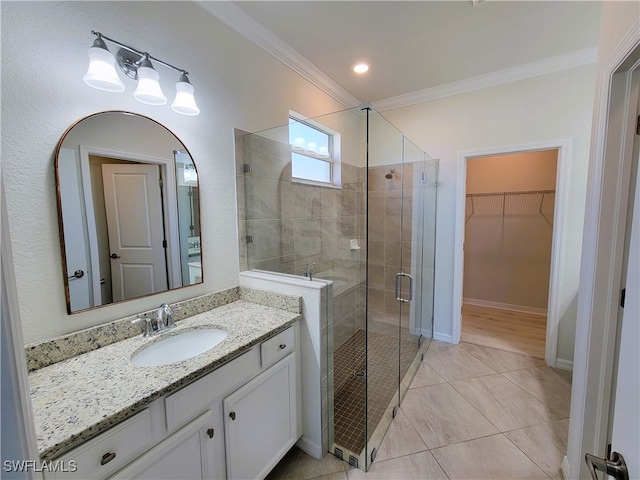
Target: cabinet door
[187,454]
[260,421]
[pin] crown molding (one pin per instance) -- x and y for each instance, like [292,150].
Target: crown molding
[566,61]
[235,18]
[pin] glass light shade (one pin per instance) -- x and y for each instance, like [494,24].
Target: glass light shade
[101,73]
[148,90]
[184,102]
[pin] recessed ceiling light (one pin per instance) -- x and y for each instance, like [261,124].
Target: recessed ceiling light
[361,67]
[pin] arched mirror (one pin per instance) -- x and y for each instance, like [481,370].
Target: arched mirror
[128,210]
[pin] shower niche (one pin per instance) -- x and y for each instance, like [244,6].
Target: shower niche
[369,228]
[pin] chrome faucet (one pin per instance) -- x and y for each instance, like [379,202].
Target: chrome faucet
[309,271]
[148,326]
[161,325]
[163,310]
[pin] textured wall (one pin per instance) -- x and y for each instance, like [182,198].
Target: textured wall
[44,56]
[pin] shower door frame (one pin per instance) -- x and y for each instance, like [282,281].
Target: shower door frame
[405,300]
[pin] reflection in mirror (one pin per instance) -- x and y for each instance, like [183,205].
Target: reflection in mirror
[128,207]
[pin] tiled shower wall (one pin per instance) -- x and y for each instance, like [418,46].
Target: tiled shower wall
[292,225]
[390,246]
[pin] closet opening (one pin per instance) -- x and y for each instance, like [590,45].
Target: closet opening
[508,237]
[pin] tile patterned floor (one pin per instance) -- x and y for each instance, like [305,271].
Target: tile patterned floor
[350,390]
[471,413]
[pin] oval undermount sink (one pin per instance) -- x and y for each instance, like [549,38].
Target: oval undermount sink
[179,347]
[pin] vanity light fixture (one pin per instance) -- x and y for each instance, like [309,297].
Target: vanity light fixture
[102,75]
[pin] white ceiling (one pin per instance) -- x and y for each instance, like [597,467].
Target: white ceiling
[416,48]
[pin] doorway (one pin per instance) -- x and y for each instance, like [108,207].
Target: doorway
[509,215]
[560,215]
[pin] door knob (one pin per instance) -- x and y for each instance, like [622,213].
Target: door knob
[114,256]
[616,467]
[77,274]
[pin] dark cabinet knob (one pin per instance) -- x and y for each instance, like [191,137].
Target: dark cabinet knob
[107,457]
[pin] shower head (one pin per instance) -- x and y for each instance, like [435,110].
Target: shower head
[389,175]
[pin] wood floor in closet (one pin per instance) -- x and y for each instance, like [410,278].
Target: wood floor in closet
[509,330]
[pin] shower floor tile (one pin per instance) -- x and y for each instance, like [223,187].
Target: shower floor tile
[350,393]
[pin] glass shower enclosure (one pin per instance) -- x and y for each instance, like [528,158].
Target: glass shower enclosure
[363,219]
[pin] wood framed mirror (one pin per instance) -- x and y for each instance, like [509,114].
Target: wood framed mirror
[128,210]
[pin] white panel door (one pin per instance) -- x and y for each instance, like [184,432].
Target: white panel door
[133,203]
[75,244]
[625,433]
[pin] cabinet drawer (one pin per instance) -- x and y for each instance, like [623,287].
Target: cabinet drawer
[277,347]
[195,398]
[103,455]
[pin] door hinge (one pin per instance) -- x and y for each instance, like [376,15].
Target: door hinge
[249,238]
[164,244]
[160,183]
[623,294]
[246,167]
[638,125]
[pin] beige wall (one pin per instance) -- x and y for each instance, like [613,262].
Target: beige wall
[514,172]
[44,56]
[507,256]
[541,109]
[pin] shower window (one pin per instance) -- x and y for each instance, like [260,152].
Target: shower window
[313,152]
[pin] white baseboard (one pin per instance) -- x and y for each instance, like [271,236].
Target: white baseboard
[309,447]
[563,364]
[565,468]
[505,306]
[442,337]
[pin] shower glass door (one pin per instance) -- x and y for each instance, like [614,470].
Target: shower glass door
[386,182]
[401,199]
[368,230]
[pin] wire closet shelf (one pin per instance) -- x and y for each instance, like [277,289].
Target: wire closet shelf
[538,202]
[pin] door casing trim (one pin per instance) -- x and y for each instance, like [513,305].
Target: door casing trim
[565,152]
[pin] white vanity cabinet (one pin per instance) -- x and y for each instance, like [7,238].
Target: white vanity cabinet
[103,455]
[262,418]
[260,421]
[187,454]
[189,434]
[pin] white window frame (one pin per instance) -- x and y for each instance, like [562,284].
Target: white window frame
[334,153]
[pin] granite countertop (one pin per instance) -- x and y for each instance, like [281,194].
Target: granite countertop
[78,398]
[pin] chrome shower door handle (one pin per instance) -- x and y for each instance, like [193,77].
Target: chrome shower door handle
[397,287]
